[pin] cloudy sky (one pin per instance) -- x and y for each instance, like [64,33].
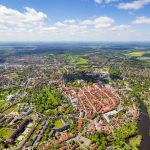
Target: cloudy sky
[74,20]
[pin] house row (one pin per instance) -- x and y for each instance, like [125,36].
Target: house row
[4,119]
[70,146]
[93,98]
[26,109]
[64,137]
[38,136]
[19,130]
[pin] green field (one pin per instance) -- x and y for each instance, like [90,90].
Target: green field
[148,62]
[2,103]
[135,142]
[5,133]
[140,54]
[147,54]
[76,59]
[13,108]
[82,61]
[136,54]
[58,124]
[51,97]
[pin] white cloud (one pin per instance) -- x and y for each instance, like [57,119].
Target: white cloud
[103,22]
[110,1]
[71,21]
[98,1]
[87,22]
[49,29]
[31,25]
[136,4]
[13,18]
[120,28]
[99,22]
[105,1]
[59,24]
[141,20]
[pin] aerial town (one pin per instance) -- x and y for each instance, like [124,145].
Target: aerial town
[74,101]
[74,74]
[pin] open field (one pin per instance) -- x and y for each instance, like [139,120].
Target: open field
[5,133]
[77,59]
[137,54]
[51,97]
[82,61]
[2,103]
[13,108]
[147,54]
[58,124]
[135,142]
[140,54]
[148,62]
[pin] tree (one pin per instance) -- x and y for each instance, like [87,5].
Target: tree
[115,73]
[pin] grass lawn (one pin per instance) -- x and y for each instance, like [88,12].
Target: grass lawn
[58,124]
[135,142]
[13,75]
[82,61]
[106,69]
[136,54]
[148,62]
[51,97]
[2,103]
[5,133]
[13,108]
[147,54]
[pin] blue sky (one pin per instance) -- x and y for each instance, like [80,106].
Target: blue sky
[75,20]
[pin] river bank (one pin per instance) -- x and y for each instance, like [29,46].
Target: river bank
[143,127]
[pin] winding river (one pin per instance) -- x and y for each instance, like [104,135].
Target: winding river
[143,126]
